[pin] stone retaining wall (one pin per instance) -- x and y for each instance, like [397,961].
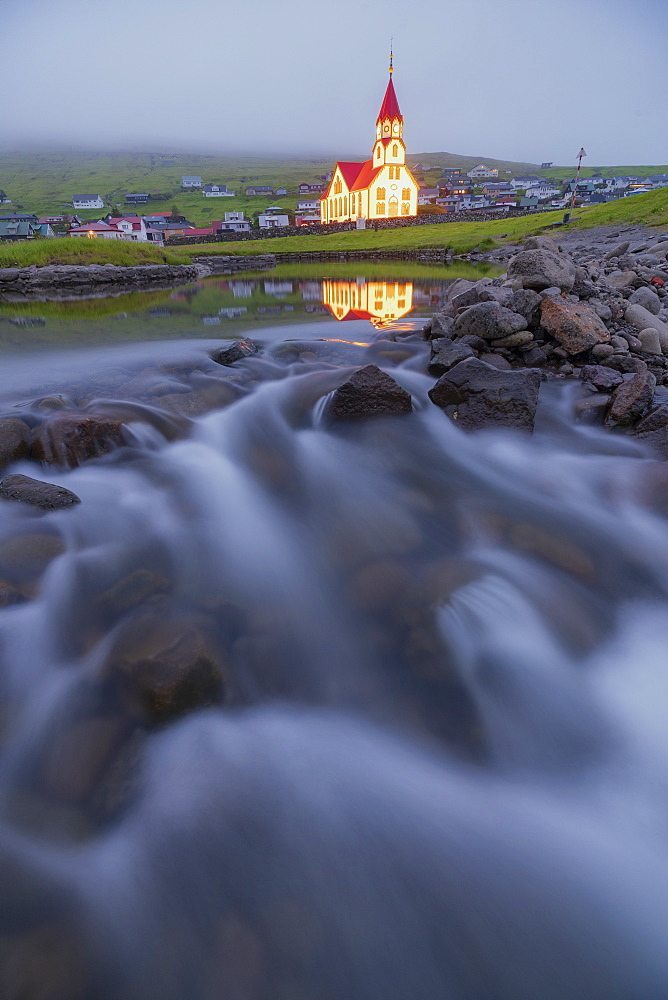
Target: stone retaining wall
[70,281]
[340,227]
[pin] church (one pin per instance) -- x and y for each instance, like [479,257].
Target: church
[382,187]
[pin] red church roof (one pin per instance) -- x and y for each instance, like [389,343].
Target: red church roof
[366,175]
[390,106]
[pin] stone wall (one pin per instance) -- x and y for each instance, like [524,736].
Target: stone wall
[70,281]
[341,227]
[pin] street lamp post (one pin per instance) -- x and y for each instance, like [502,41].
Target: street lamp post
[575,185]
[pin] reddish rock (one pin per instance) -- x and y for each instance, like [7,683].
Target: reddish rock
[631,400]
[573,324]
[369,392]
[73,438]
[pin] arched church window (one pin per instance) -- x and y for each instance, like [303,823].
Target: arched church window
[380,208]
[395,150]
[405,208]
[380,194]
[406,194]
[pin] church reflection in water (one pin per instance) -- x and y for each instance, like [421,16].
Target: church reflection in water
[381,302]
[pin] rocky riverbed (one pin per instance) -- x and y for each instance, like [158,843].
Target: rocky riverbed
[591,306]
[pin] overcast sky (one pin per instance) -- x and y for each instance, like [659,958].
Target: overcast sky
[513,79]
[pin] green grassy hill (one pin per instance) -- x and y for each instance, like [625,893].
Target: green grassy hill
[45,182]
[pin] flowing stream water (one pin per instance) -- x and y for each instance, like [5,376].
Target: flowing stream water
[295,710]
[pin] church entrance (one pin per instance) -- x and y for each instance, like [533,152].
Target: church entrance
[394,208]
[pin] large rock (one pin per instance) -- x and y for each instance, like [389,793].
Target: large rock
[643,319]
[646,298]
[526,303]
[369,392]
[46,496]
[541,243]
[600,377]
[490,321]
[441,326]
[617,251]
[631,400]
[445,355]
[236,351]
[477,395]
[14,440]
[622,279]
[541,269]
[653,431]
[574,325]
[73,438]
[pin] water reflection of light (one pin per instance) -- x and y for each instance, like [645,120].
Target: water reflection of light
[381,302]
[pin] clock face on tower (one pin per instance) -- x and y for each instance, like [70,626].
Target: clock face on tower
[386,128]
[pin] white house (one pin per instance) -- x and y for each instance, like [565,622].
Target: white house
[427,196]
[87,201]
[482,171]
[542,190]
[522,183]
[217,191]
[234,221]
[658,180]
[191,181]
[308,205]
[273,218]
[133,227]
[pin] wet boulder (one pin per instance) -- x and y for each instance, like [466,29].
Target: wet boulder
[490,321]
[369,392]
[70,439]
[652,430]
[539,269]
[14,440]
[441,326]
[643,319]
[574,325]
[631,400]
[167,666]
[237,350]
[476,395]
[445,355]
[46,496]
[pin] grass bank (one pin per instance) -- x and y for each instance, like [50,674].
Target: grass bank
[70,250]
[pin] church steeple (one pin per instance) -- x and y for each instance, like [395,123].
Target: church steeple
[389,146]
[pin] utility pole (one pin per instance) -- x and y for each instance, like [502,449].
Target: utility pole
[575,184]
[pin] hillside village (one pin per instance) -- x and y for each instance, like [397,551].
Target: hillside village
[442,190]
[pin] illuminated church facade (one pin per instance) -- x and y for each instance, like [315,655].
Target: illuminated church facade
[382,187]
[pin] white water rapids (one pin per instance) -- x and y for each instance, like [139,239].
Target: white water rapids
[437,770]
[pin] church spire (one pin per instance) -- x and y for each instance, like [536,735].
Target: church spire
[390,121]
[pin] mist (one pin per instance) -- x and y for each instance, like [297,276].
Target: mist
[517,81]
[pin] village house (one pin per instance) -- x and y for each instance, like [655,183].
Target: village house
[382,187]
[234,222]
[261,190]
[482,171]
[18,217]
[273,217]
[136,199]
[310,189]
[449,173]
[279,192]
[542,190]
[217,191]
[308,205]
[522,183]
[17,229]
[427,196]
[191,181]
[498,188]
[97,230]
[133,227]
[658,180]
[84,201]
